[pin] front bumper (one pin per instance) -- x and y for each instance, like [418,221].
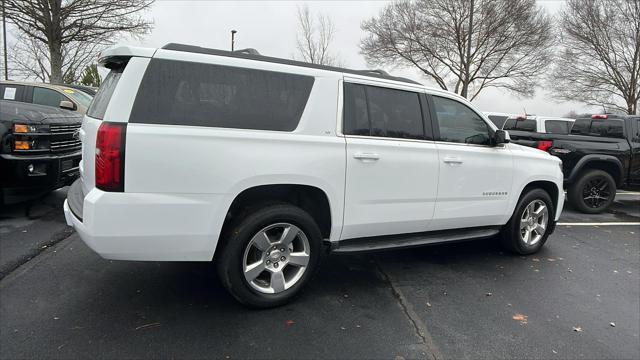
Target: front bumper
[48,172]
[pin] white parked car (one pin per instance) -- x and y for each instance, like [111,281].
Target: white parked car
[262,164]
[539,124]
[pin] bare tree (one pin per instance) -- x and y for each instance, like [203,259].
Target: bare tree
[600,60]
[30,59]
[314,38]
[464,45]
[61,33]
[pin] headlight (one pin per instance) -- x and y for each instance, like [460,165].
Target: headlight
[25,129]
[29,143]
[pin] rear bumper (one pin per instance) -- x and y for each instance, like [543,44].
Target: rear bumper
[147,227]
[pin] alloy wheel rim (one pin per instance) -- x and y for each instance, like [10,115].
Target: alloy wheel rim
[275,258]
[596,192]
[533,222]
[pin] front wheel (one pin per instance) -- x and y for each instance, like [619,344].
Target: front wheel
[530,224]
[269,255]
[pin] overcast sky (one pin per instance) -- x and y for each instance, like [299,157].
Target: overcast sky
[270,27]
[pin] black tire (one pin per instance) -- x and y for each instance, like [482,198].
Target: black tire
[592,183]
[511,237]
[237,238]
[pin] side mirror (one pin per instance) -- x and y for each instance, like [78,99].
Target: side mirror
[66,104]
[501,137]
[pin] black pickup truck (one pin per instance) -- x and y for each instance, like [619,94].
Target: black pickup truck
[600,155]
[39,150]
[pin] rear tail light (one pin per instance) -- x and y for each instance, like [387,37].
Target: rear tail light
[545,145]
[110,143]
[600,116]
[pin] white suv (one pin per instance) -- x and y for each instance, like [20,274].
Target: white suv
[263,164]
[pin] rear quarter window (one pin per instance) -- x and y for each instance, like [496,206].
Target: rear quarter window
[196,94]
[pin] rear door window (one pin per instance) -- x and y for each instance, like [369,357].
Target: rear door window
[599,127]
[557,127]
[607,128]
[99,104]
[196,94]
[12,92]
[382,112]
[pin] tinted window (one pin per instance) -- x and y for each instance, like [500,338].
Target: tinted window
[599,127]
[557,127]
[355,116]
[42,96]
[11,92]
[458,123]
[394,113]
[103,96]
[520,125]
[607,128]
[376,111]
[185,93]
[498,120]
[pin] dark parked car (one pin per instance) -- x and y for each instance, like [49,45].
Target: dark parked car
[600,155]
[58,96]
[39,150]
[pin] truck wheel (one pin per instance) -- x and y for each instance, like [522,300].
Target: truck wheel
[530,224]
[593,192]
[269,254]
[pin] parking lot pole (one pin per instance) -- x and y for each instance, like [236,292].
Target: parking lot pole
[4,42]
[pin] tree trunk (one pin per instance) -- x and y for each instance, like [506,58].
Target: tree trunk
[55,55]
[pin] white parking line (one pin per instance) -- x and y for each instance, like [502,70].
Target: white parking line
[628,193]
[600,224]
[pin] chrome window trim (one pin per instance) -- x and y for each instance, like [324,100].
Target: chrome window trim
[387,138]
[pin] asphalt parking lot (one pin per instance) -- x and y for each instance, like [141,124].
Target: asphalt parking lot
[578,298]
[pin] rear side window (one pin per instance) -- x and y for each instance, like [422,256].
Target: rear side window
[103,96]
[599,127]
[557,127]
[383,112]
[48,97]
[195,94]
[498,120]
[11,92]
[520,125]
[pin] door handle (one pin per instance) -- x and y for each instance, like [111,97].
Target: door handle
[366,156]
[452,160]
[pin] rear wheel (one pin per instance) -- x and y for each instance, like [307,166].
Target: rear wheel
[530,224]
[593,192]
[269,255]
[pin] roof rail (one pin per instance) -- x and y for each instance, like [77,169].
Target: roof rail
[376,71]
[250,51]
[252,54]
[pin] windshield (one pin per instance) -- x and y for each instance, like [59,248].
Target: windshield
[80,97]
